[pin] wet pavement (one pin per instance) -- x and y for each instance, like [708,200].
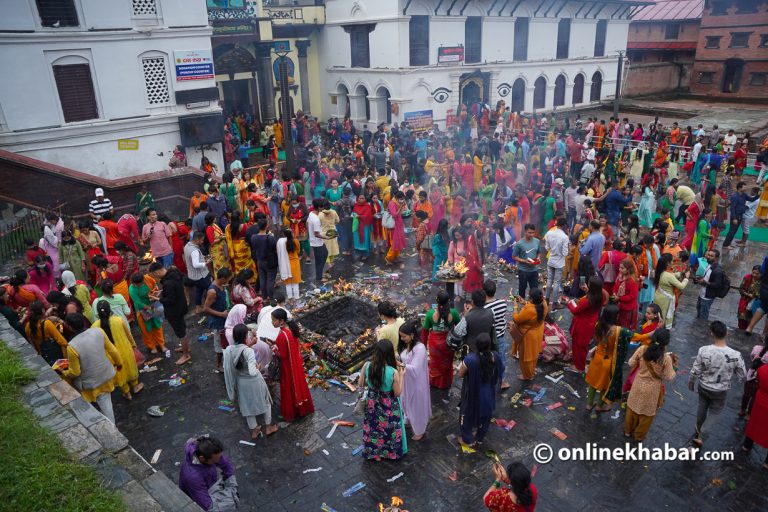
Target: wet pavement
[271,473]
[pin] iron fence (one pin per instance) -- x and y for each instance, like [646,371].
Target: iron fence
[14,233]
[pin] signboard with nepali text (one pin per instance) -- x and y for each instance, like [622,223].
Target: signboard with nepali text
[193,65]
[419,121]
[127,144]
[450,54]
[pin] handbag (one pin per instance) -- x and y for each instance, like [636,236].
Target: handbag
[608,271]
[273,369]
[426,244]
[387,220]
[361,403]
[138,356]
[457,337]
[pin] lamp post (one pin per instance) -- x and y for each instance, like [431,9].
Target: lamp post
[285,116]
[618,85]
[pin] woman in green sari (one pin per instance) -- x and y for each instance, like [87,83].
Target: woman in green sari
[605,373]
[701,236]
[144,201]
[333,194]
[548,210]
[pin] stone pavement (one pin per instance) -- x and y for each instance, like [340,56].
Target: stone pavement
[271,473]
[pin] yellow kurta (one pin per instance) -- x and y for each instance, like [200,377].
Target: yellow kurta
[478,174]
[295,261]
[128,375]
[90,395]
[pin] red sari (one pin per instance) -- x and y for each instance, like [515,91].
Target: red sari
[295,399]
[690,225]
[474,278]
[179,240]
[583,328]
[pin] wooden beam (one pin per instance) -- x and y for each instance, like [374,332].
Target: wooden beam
[405,9]
[580,9]
[546,13]
[488,12]
[560,9]
[616,10]
[586,14]
[451,7]
[438,6]
[539,8]
[602,6]
[461,12]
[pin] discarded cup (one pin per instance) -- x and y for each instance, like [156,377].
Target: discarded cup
[155,411]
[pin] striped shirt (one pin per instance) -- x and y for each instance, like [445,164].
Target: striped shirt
[499,309]
[100,207]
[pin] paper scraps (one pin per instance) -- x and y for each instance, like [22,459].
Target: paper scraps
[156,456]
[311,470]
[390,480]
[248,443]
[558,434]
[505,424]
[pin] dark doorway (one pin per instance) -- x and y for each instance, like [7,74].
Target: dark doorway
[383,92]
[733,69]
[578,89]
[559,91]
[280,106]
[237,96]
[539,92]
[474,87]
[597,87]
[518,95]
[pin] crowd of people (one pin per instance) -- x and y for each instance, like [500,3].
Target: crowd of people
[609,220]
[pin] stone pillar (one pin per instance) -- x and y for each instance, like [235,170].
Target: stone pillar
[301,47]
[267,96]
[528,105]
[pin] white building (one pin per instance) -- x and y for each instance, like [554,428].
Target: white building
[381,58]
[94,84]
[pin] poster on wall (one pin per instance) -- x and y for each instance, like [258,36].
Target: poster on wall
[450,54]
[193,65]
[419,121]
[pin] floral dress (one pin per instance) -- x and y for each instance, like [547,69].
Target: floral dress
[383,425]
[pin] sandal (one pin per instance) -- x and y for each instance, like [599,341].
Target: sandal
[137,388]
[274,428]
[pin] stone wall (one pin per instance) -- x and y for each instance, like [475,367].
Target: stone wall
[656,77]
[92,439]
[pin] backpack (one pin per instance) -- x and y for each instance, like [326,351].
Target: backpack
[725,286]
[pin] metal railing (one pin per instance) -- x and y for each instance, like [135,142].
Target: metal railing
[14,233]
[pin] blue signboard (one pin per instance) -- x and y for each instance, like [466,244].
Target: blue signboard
[193,65]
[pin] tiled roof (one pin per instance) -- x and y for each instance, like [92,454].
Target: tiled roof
[671,10]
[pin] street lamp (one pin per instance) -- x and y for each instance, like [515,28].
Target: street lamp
[285,116]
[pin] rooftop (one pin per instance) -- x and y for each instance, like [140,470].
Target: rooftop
[671,10]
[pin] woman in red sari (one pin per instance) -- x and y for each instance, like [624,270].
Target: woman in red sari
[585,313]
[295,399]
[179,239]
[625,293]
[473,280]
[438,207]
[437,324]
[377,233]
[692,214]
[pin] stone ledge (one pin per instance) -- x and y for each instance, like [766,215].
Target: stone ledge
[90,438]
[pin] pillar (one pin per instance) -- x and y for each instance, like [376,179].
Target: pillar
[301,47]
[267,96]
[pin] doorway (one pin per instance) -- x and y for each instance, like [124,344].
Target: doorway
[732,75]
[473,88]
[237,95]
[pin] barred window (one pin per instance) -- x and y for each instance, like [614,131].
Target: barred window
[144,8]
[156,80]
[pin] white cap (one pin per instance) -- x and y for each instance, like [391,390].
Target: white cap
[99,192]
[559,181]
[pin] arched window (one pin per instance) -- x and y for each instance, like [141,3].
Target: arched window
[578,89]
[74,83]
[342,100]
[597,87]
[383,96]
[364,106]
[539,92]
[559,91]
[518,96]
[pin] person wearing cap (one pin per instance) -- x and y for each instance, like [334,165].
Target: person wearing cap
[99,206]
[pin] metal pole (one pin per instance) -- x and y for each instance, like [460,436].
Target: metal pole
[618,85]
[285,101]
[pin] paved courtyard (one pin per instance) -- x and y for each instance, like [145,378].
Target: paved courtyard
[272,474]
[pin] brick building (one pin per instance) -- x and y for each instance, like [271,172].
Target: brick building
[732,51]
[667,31]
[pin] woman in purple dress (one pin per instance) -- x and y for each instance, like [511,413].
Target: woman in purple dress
[417,404]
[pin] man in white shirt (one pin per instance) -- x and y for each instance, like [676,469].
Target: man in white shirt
[569,199]
[265,329]
[197,267]
[696,150]
[729,141]
[557,243]
[316,238]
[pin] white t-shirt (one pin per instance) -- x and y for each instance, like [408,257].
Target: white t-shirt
[313,226]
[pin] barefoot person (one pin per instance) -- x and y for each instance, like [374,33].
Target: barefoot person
[243,378]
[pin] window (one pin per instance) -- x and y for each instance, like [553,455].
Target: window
[144,8]
[563,37]
[763,41]
[473,36]
[156,80]
[418,37]
[739,39]
[359,44]
[602,27]
[520,51]
[719,8]
[712,42]
[226,4]
[540,92]
[75,86]
[758,78]
[671,30]
[746,6]
[57,13]
[706,77]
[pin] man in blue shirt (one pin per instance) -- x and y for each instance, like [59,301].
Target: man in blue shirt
[420,145]
[526,254]
[614,202]
[593,245]
[738,209]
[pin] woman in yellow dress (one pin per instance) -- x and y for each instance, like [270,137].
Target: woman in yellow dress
[237,245]
[289,263]
[328,220]
[477,177]
[278,134]
[762,207]
[119,333]
[217,242]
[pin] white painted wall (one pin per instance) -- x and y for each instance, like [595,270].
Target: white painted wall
[33,120]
